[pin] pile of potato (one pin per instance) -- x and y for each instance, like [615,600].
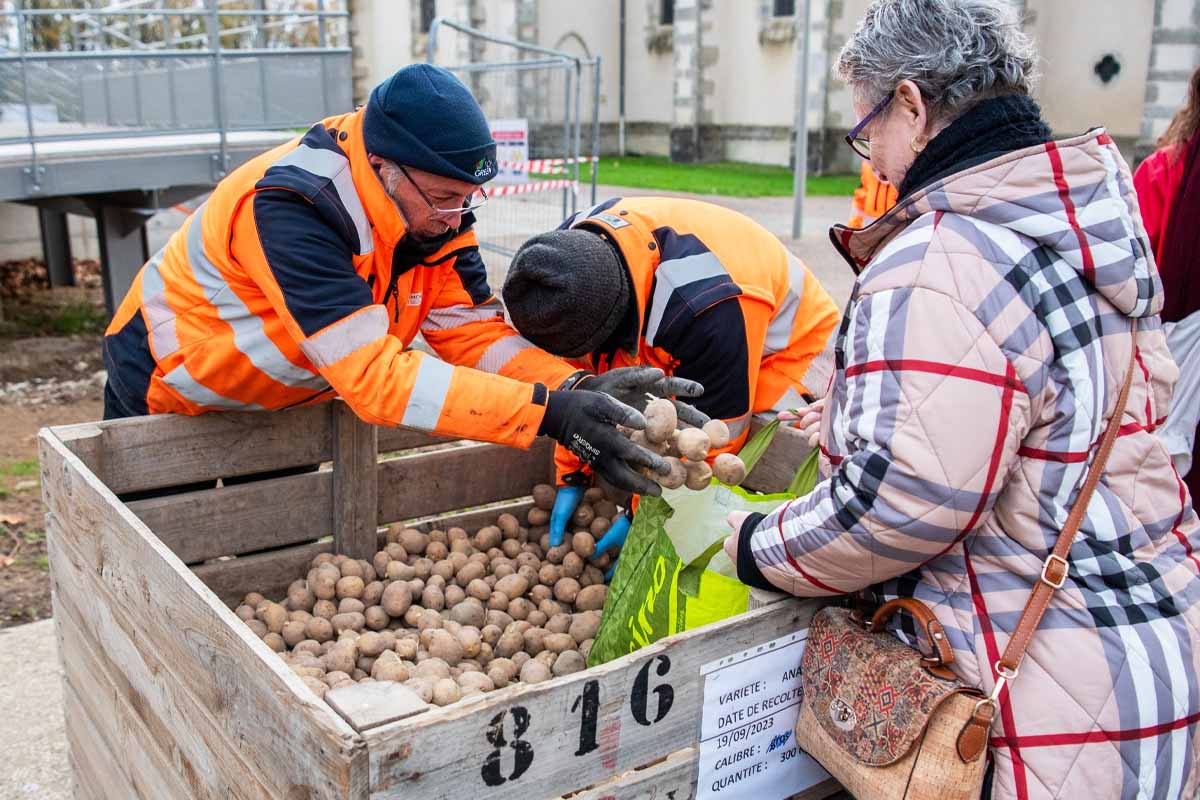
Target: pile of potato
[448,614]
[687,448]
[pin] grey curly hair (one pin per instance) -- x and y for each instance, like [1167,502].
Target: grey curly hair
[958,52]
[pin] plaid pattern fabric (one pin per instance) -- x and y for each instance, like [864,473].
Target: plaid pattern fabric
[979,359]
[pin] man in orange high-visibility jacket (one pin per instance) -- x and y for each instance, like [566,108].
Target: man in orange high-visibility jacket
[699,291]
[871,200]
[311,268]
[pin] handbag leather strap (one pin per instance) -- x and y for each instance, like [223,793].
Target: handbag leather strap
[972,738]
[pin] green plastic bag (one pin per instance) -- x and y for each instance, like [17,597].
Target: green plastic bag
[673,574]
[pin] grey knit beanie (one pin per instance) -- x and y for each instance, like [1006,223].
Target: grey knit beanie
[567,291]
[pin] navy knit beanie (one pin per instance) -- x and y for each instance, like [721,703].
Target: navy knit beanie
[424,117]
[567,292]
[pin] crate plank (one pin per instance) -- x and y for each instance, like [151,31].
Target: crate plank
[392,439]
[354,484]
[430,483]
[136,733]
[298,745]
[170,450]
[242,518]
[266,573]
[779,463]
[527,738]
[98,774]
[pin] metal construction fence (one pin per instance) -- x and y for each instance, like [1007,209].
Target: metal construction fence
[543,105]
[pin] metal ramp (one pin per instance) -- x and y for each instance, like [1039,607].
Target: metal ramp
[115,109]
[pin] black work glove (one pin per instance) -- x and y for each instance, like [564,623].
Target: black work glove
[585,423]
[630,385]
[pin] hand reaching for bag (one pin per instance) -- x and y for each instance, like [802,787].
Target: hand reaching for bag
[807,420]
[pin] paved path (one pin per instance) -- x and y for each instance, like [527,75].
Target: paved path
[33,747]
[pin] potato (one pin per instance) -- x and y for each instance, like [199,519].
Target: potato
[490,536]
[535,641]
[422,687]
[339,659]
[551,608]
[497,601]
[477,681]
[413,615]
[537,518]
[546,657]
[395,551]
[454,595]
[437,551]
[514,586]
[470,613]
[351,568]
[371,593]
[350,605]
[693,443]
[354,621]
[471,571]
[429,619]
[470,640]
[293,633]
[729,469]
[390,667]
[543,496]
[406,649]
[462,547]
[318,687]
[509,644]
[376,618]
[399,571]
[300,597]
[319,629]
[371,644]
[676,477]
[520,659]
[380,561]
[567,662]
[591,598]
[717,432]
[275,642]
[258,627]
[274,617]
[534,671]
[436,581]
[542,592]
[584,625]
[364,663]
[309,646]
[537,618]
[597,529]
[244,612]
[559,623]
[324,582]
[558,642]
[572,565]
[520,608]
[422,567]
[460,560]
[446,646]
[591,576]
[661,420]
[415,587]
[566,590]
[434,667]
[433,598]
[396,599]
[446,691]
[583,544]
[583,515]
[501,619]
[529,572]
[253,599]
[699,475]
[413,541]
[548,575]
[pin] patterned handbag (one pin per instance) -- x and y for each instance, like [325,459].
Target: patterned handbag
[890,722]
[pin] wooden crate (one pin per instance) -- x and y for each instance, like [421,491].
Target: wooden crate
[169,695]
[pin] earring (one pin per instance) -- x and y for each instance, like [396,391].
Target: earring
[913,144]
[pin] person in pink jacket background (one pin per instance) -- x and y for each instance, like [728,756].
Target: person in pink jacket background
[977,365]
[1168,191]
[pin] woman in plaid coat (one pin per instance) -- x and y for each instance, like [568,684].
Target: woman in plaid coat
[979,360]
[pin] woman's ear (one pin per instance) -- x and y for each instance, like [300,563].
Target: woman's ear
[911,106]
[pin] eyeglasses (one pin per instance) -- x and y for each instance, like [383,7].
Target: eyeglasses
[474,200]
[861,144]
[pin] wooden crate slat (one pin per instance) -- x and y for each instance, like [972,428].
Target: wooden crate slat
[266,573]
[445,480]
[98,774]
[454,750]
[673,777]
[392,439]
[299,745]
[155,760]
[169,450]
[354,489]
[779,463]
[242,518]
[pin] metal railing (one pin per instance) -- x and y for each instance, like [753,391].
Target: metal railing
[548,90]
[154,85]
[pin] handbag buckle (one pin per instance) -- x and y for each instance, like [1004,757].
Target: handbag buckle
[1045,577]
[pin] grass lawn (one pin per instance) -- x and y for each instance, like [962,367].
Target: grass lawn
[727,178]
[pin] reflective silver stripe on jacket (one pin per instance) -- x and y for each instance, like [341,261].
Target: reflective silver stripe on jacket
[335,167]
[193,391]
[440,319]
[336,341]
[160,317]
[249,336]
[428,394]
[779,331]
[673,274]
[501,352]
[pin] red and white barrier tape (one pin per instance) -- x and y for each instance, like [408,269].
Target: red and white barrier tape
[546,166]
[527,188]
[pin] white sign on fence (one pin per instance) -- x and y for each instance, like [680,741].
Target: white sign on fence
[512,147]
[747,744]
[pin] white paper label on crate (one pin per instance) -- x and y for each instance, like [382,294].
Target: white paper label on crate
[747,744]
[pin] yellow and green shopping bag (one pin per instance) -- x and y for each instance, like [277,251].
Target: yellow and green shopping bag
[673,574]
